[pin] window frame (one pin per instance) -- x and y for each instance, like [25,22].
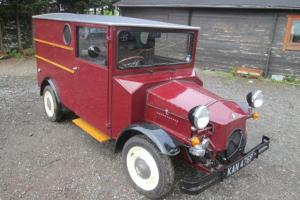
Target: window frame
[287,38]
[68,43]
[120,29]
[105,28]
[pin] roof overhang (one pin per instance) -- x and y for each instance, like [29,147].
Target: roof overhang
[225,4]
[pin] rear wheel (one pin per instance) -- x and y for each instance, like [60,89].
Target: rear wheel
[150,172]
[52,108]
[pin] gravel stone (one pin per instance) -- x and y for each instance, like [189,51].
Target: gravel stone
[61,162]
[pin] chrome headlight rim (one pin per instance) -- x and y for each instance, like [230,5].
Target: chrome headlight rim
[199,117]
[255,99]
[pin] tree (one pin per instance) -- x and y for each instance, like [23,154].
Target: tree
[74,6]
[81,6]
[1,37]
[17,8]
[26,8]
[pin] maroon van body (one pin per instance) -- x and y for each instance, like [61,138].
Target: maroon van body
[119,75]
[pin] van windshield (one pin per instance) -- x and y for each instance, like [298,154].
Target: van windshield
[147,48]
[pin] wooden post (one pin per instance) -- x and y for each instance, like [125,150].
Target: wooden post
[18,32]
[272,38]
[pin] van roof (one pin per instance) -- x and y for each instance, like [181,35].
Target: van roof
[111,20]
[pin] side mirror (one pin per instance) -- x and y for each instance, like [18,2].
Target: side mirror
[93,51]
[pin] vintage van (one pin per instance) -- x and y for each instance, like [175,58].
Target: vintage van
[134,81]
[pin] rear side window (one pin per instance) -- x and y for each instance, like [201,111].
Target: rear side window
[92,44]
[67,34]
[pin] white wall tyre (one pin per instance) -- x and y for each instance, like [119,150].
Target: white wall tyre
[149,172]
[52,108]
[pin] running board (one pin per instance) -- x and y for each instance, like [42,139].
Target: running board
[92,131]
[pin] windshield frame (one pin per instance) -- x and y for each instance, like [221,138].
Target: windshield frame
[193,42]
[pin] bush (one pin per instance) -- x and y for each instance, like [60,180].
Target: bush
[290,78]
[14,53]
[18,54]
[28,52]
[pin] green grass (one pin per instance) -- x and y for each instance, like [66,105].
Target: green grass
[289,79]
[28,52]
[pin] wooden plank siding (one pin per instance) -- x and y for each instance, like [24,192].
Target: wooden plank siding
[173,15]
[283,61]
[233,37]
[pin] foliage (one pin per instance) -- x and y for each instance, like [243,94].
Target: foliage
[290,78]
[14,53]
[28,52]
[31,7]
[22,7]
[81,6]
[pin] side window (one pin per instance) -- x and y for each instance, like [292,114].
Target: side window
[67,34]
[92,44]
[292,34]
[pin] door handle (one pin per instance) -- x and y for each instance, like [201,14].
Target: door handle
[75,68]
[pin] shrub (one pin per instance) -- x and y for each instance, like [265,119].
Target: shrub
[28,52]
[14,53]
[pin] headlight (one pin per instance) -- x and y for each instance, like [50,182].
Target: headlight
[199,117]
[255,99]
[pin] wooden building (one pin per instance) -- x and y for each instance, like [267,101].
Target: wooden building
[262,34]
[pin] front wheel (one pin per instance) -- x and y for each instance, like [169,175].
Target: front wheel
[150,172]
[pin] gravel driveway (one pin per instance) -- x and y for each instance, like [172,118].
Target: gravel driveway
[44,160]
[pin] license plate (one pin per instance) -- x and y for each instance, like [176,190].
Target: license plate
[238,165]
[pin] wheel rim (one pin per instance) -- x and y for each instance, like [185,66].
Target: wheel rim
[142,168]
[49,104]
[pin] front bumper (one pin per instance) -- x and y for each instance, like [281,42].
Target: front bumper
[196,187]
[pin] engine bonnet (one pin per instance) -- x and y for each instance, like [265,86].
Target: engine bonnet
[178,97]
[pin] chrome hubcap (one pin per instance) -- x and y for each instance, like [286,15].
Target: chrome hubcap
[142,169]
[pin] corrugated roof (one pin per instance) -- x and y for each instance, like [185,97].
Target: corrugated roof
[250,4]
[111,20]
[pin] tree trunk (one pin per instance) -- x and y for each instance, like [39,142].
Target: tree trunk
[58,5]
[95,11]
[102,10]
[19,32]
[1,36]
[32,33]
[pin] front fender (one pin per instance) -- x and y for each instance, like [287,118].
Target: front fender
[158,136]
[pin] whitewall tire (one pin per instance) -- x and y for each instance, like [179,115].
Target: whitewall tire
[150,172]
[52,108]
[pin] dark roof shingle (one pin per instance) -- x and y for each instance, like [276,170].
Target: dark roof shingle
[250,4]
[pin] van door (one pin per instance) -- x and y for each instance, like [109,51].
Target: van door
[92,76]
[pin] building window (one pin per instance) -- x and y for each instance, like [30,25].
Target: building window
[67,34]
[292,34]
[92,44]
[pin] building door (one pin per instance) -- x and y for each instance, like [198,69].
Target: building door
[91,83]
